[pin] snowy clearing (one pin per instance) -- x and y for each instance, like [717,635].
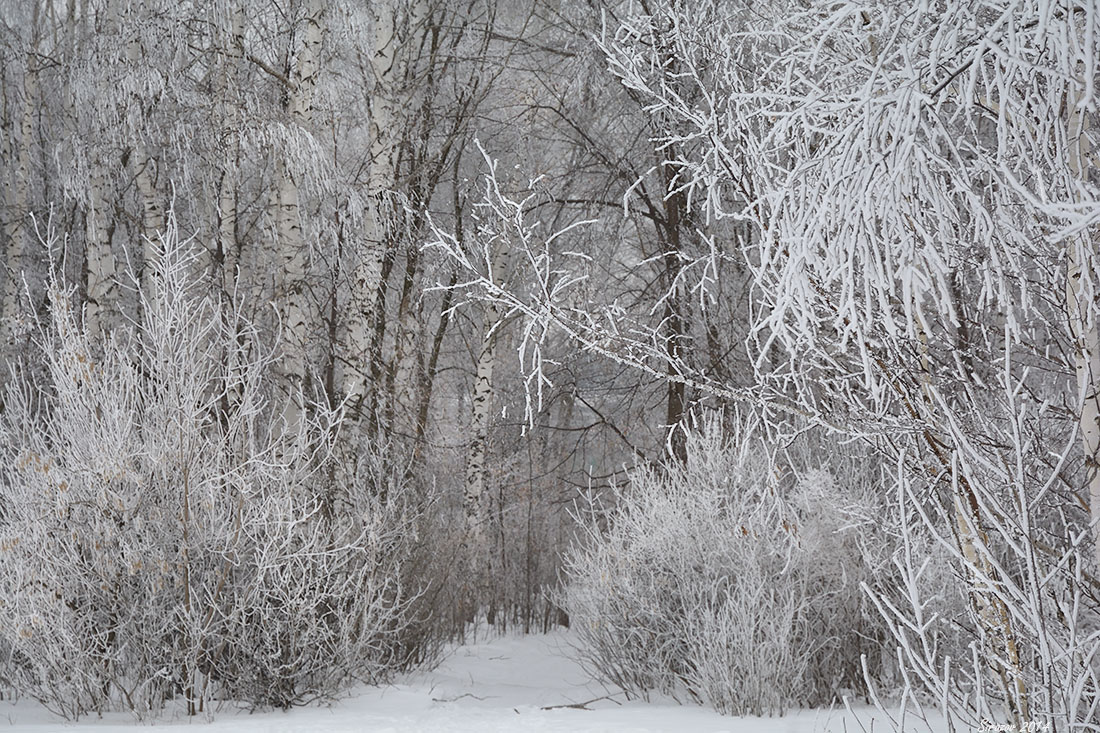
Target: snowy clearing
[503,684]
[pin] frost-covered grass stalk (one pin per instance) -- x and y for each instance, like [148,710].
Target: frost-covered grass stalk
[166,535]
[732,580]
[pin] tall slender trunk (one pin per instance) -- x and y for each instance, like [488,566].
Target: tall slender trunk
[392,65]
[141,160]
[1081,304]
[19,211]
[477,469]
[100,285]
[152,216]
[231,40]
[481,403]
[291,251]
[290,268]
[227,262]
[992,614]
[227,257]
[674,324]
[367,272]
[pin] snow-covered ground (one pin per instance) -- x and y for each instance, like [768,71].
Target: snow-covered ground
[503,684]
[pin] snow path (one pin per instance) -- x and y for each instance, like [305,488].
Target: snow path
[502,684]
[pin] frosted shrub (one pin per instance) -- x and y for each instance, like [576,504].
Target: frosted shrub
[167,533]
[727,580]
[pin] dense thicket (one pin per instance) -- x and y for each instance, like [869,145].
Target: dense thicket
[166,531]
[735,579]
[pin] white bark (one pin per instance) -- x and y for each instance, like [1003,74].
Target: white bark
[144,166]
[477,469]
[17,223]
[291,268]
[482,398]
[227,224]
[101,284]
[390,66]
[1081,305]
[152,216]
[233,50]
[307,65]
[291,251]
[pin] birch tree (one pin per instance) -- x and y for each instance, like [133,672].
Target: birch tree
[101,285]
[292,258]
[497,242]
[17,229]
[142,86]
[1081,272]
[395,29]
[230,34]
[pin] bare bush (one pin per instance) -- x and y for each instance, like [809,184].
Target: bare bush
[165,532]
[732,580]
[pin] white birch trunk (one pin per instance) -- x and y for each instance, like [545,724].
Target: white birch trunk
[1081,302]
[227,225]
[100,284]
[477,469]
[233,50]
[152,216]
[291,270]
[17,224]
[390,64]
[291,251]
[307,65]
[992,614]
